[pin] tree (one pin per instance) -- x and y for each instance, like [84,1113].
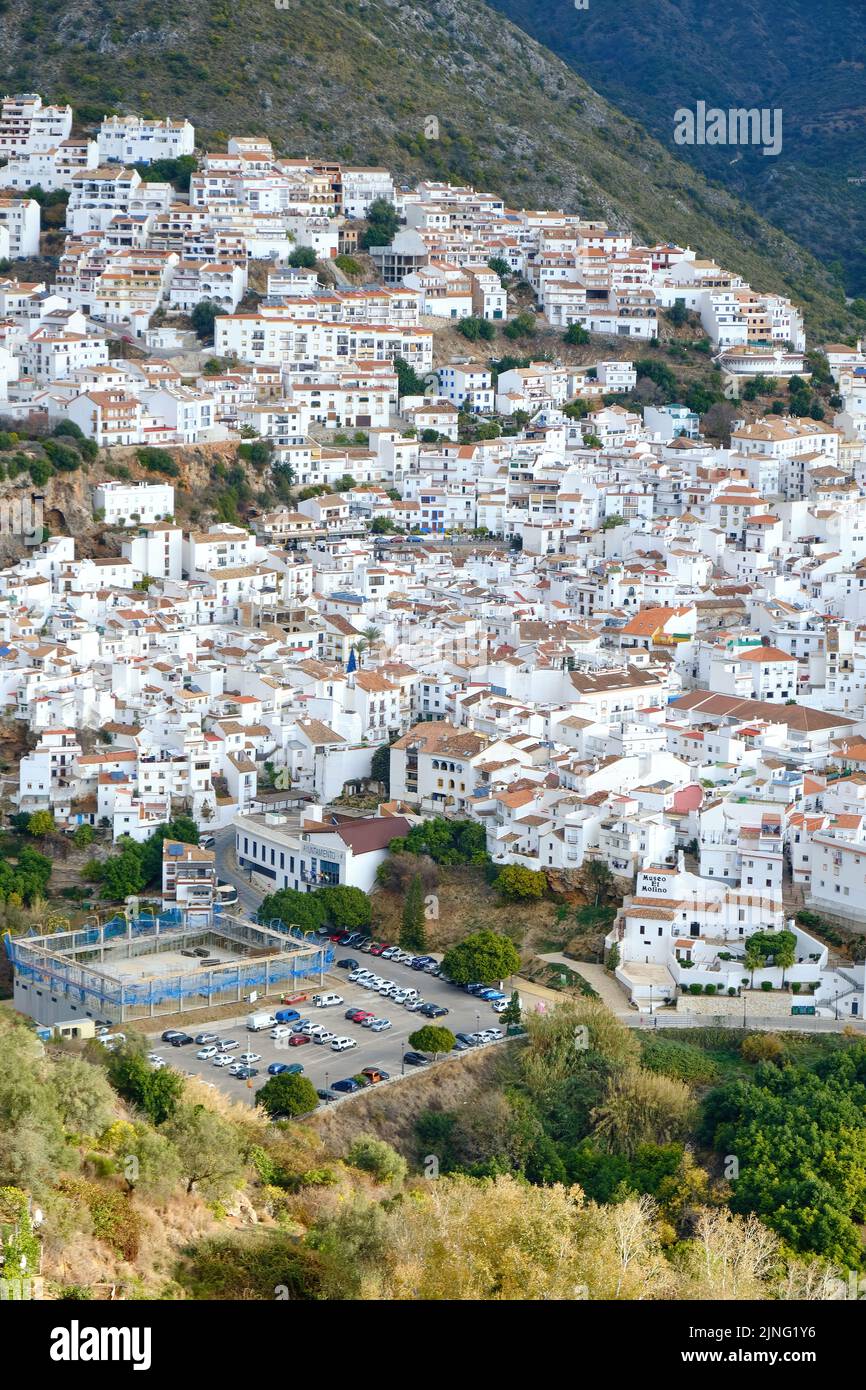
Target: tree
[209,1150]
[500,267]
[432,1038]
[345,907]
[83,835]
[40,824]
[512,1012]
[575,334]
[157,1093]
[412,935]
[287,1094]
[375,1156]
[203,318]
[520,884]
[521,326]
[382,224]
[481,958]
[82,1095]
[303,258]
[380,766]
[293,909]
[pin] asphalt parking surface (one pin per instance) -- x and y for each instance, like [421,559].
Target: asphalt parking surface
[383,1050]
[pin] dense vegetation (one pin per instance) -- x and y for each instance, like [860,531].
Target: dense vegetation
[548,1185]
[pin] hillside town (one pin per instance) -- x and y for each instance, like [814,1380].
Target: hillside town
[601,634]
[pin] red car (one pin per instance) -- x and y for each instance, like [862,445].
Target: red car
[335,936]
[358,1015]
[378,948]
[297,1039]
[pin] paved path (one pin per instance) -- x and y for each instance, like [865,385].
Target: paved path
[595,975]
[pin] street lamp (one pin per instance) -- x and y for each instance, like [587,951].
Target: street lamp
[402,1059]
[836,1006]
[327,1079]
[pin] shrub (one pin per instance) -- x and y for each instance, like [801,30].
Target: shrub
[679,1059]
[761,1047]
[377,1157]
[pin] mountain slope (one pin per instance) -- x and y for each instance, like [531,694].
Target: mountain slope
[807,60]
[356,79]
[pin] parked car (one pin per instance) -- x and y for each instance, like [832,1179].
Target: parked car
[298,1039]
[490,995]
[342,1044]
[222,1059]
[249,1057]
[324,1037]
[379,1025]
[228,1044]
[421,962]
[416,1059]
[282,1030]
[349,1085]
[245,1073]
[276,1067]
[467,1039]
[324,1096]
[390,952]
[182,1040]
[375,1074]
[170,1033]
[287,1015]
[500,1005]
[347,964]
[326,1001]
[378,948]
[433,1010]
[204,1054]
[302,1025]
[413,1006]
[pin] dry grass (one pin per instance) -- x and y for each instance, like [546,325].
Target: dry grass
[390,1111]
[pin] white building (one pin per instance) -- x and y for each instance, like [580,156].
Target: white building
[129,504]
[134,140]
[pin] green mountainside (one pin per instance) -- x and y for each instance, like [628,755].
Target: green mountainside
[807,60]
[355,79]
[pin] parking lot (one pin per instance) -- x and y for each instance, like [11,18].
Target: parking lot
[322,1065]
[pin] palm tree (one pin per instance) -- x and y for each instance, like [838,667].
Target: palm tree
[372,636]
[753,959]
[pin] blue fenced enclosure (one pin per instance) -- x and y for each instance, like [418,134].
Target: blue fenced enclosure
[128,966]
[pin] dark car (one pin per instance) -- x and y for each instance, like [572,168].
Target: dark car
[347,964]
[466,1039]
[416,1059]
[182,1040]
[324,1095]
[345,938]
[475,989]
[277,1067]
[349,1085]
[357,938]
[421,962]
[246,1073]
[298,1040]
[433,1010]
[171,1033]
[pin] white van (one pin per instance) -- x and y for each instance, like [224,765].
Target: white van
[324,1001]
